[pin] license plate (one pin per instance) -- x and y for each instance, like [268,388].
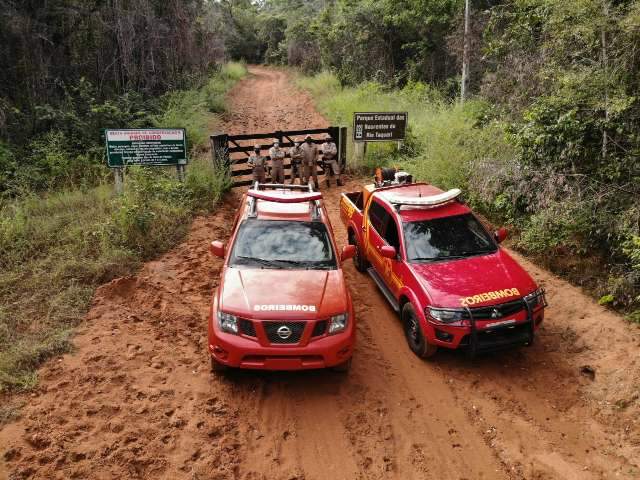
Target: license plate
[501,323]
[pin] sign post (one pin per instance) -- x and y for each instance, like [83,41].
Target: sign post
[378,127]
[118,176]
[145,147]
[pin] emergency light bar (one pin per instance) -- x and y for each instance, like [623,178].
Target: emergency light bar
[306,195]
[296,198]
[429,201]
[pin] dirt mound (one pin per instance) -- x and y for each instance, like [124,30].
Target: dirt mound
[136,399]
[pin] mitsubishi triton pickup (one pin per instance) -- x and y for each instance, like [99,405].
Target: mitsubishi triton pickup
[282,302]
[441,270]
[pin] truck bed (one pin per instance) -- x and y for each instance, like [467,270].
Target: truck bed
[356,198]
[351,206]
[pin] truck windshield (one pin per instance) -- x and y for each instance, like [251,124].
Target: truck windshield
[283,245]
[446,238]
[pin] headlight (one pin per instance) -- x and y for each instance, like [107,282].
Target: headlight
[445,315]
[227,322]
[535,298]
[338,323]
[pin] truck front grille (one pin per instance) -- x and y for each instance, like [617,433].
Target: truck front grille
[247,328]
[319,328]
[284,332]
[503,309]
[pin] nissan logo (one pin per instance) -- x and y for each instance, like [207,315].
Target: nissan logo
[495,313]
[284,332]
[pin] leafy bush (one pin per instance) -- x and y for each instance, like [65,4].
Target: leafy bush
[190,109]
[566,212]
[56,248]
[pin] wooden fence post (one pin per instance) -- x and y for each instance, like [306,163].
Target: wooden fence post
[359,154]
[342,148]
[219,151]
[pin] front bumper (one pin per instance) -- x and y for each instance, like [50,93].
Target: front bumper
[257,352]
[235,351]
[480,336]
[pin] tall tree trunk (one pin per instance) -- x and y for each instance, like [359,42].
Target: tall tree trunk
[605,68]
[465,54]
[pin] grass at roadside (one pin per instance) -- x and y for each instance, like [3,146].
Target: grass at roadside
[443,145]
[451,145]
[55,249]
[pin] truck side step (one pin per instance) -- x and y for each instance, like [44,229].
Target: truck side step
[383,288]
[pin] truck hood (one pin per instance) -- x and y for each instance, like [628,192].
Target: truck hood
[267,293]
[474,281]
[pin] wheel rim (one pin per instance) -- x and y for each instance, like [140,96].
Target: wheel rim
[413,330]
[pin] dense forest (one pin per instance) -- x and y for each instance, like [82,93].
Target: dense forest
[553,86]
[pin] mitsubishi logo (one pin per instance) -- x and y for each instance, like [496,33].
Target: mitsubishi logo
[284,332]
[495,313]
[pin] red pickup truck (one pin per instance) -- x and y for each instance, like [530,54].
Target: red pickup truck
[441,270]
[282,302]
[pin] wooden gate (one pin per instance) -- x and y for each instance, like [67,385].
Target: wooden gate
[233,151]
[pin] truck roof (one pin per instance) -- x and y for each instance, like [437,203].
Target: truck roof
[413,213]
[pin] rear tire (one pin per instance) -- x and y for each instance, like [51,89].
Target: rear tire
[343,367]
[418,343]
[359,261]
[217,367]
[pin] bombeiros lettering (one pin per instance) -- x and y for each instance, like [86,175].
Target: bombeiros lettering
[486,296]
[284,308]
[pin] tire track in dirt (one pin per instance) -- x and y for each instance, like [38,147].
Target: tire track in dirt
[539,416]
[136,399]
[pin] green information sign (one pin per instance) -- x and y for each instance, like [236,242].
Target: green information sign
[148,146]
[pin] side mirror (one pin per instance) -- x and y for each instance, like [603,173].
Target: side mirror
[501,234]
[388,251]
[348,251]
[217,248]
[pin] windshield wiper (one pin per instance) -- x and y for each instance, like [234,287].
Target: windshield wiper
[428,259]
[477,252]
[452,257]
[306,264]
[260,261]
[290,262]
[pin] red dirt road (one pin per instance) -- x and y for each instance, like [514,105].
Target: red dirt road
[136,399]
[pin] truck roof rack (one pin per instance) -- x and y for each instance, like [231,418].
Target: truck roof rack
[306,194]
[429,201]
[281,186]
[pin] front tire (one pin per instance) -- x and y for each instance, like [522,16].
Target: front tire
[418,343]
[359,261]
[217,367]
[343,367]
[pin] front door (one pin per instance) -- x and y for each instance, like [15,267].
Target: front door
[382,229]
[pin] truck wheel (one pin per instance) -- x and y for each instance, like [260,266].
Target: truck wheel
[218,367]
[343,367]
[359,261]
[413,332]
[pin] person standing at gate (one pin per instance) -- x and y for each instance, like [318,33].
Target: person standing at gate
[277,163]
[295,153]
[330,160]
[309,161]
[258,165]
